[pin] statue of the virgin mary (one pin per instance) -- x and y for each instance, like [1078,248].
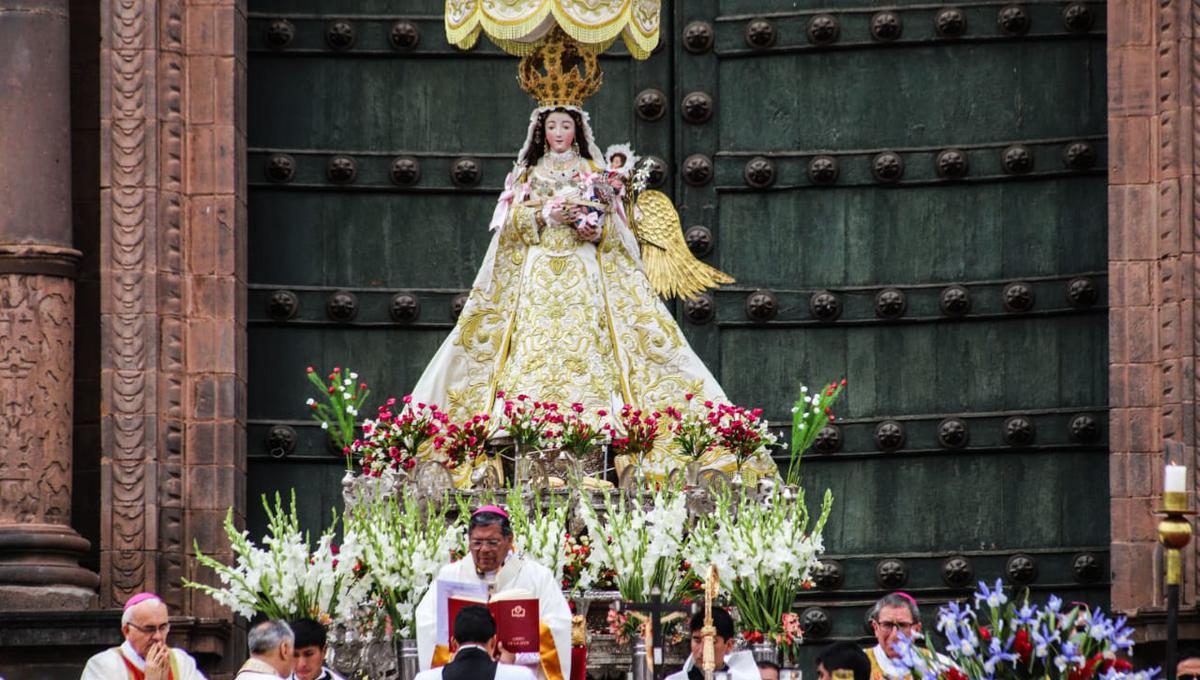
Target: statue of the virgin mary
[563,308]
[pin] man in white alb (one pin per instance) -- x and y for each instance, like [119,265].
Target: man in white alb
[493,562]
[144,655]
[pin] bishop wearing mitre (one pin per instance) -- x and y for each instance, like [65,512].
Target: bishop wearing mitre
[493,567]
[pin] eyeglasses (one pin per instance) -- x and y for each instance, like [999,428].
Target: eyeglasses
[1188,676]
[489,543]
[889,626]
[151,630]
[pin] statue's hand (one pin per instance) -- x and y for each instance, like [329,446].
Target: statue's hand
[588,232]
[563,214]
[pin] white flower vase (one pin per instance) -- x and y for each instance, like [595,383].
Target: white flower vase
[406,655]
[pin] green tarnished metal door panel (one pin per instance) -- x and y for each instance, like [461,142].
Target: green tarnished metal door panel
[377,153]
[912,196]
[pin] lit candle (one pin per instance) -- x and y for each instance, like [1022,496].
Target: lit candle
[1175,478]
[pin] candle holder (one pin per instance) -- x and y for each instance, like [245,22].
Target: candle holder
[1174,533]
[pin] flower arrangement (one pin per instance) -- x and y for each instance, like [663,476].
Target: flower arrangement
[739,431]
[288,578]
[809,414]
[641,543]
[466,441]
[341,400]
[764,553]
[398,549]
[572,432]
[634,433]
[579,571]
[522,419]
[594,192]
[998,639]
[691,429]
[393,440]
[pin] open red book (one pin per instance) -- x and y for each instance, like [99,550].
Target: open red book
[516,614]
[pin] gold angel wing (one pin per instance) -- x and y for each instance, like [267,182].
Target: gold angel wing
[670,266]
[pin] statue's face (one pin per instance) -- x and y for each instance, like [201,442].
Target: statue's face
[560,131]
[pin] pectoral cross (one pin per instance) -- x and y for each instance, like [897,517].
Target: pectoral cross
[655,608]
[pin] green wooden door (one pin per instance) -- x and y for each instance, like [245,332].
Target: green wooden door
[910,196]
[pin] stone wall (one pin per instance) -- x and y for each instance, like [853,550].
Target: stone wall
[1154,89]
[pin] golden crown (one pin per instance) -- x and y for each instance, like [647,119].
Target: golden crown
[559,73]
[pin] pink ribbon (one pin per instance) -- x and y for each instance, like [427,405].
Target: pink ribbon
[506,198]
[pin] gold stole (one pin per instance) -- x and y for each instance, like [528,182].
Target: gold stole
[551,665]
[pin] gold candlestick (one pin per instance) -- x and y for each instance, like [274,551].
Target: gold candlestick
[1174,533]
[708,662]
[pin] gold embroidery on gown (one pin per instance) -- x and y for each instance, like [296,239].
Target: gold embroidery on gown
[568,321]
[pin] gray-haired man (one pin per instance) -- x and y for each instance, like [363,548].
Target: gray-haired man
[144,655]
[271,644]
[893,616]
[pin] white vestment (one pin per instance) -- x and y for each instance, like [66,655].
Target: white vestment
[107,665]
[742,666]
[254,669]
[517,572]
[890,669]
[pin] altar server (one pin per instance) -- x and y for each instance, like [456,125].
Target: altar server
[475,649]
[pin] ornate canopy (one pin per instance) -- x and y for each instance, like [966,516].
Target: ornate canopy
[518,26]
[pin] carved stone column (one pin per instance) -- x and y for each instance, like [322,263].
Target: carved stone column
[39,551]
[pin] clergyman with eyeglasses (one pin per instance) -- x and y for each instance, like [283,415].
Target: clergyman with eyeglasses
[893,616]
[144,655]
[494,565]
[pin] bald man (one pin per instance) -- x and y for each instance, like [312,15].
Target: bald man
[144,655]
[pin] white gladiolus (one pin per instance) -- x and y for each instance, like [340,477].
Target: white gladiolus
[646,543]
[284,579]
[758,548]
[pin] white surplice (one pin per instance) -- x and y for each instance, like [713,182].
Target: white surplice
[107,665]
[517,572]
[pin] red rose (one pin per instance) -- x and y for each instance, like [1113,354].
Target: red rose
[954,674]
